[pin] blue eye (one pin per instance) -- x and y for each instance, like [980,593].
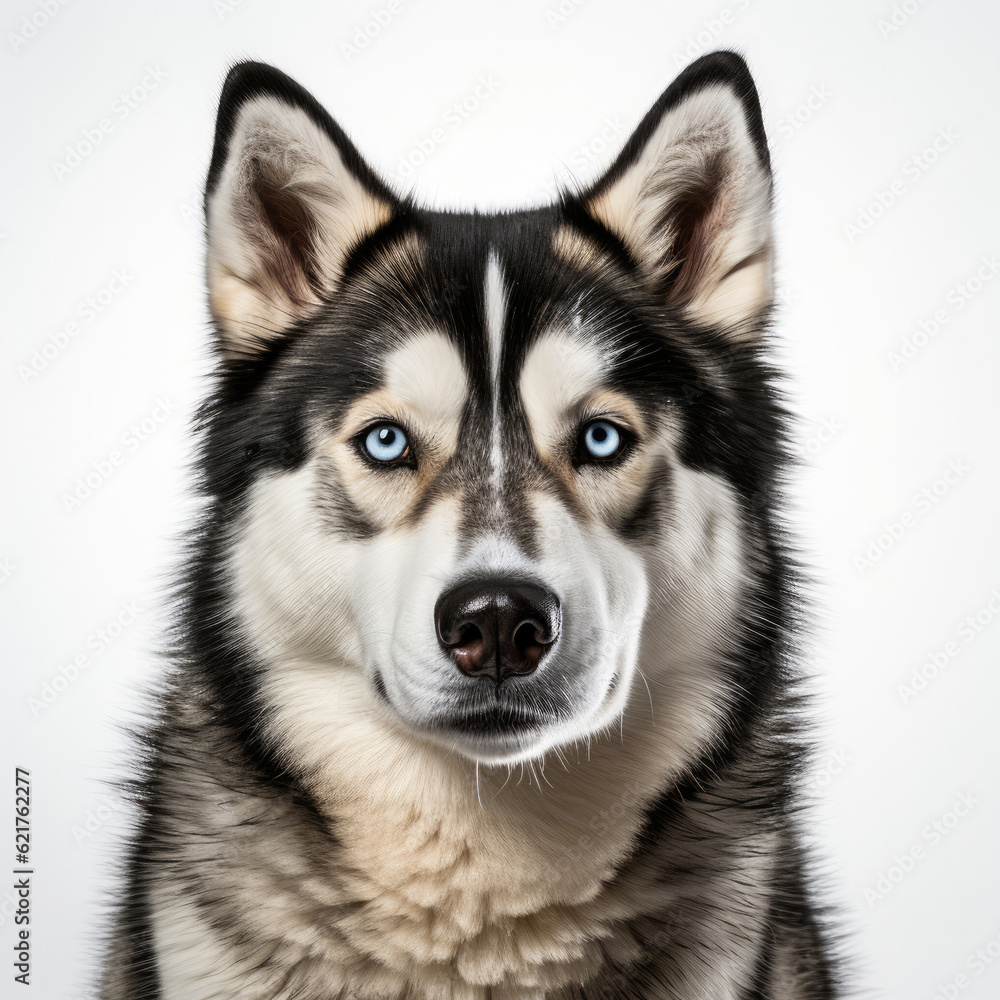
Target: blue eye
[387,443]
[601,440]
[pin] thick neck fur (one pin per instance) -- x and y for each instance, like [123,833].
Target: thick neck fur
[415,877]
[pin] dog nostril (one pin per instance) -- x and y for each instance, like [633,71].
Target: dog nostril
[530,642]
[497,628]
[458,633]
[467,648]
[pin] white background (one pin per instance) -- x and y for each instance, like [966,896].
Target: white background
[892,760]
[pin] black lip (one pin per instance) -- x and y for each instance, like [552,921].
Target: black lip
[497,721]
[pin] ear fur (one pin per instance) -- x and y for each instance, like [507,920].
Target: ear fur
[288,197]
[690,197]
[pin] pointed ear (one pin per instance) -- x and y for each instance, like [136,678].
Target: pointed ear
[288,198]
[690,196]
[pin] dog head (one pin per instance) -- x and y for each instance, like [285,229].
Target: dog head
[489,474]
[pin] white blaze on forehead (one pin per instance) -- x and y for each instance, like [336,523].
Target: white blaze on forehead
[496,308]
[559,371]
[428,373]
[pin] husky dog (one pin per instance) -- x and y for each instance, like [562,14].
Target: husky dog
[482,687]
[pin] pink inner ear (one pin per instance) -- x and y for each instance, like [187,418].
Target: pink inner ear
[284,234]
[696,219]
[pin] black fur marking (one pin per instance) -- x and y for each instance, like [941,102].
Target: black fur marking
[654,503]
[339,512]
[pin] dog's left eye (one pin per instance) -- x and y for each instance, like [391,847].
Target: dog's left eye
[601,441]
[386,443]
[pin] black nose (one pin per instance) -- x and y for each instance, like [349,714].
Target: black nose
[495,628]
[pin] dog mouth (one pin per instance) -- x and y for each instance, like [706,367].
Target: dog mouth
[498,716]
[503,721]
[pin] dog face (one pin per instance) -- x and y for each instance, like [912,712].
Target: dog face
[488,474]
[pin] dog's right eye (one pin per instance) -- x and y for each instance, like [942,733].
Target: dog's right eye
[386,444]
[601,443]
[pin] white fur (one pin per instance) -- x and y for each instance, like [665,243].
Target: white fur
[496,307]
[559,372]
[193,962]
[427,374]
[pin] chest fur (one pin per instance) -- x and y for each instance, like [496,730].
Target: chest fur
[428,884]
